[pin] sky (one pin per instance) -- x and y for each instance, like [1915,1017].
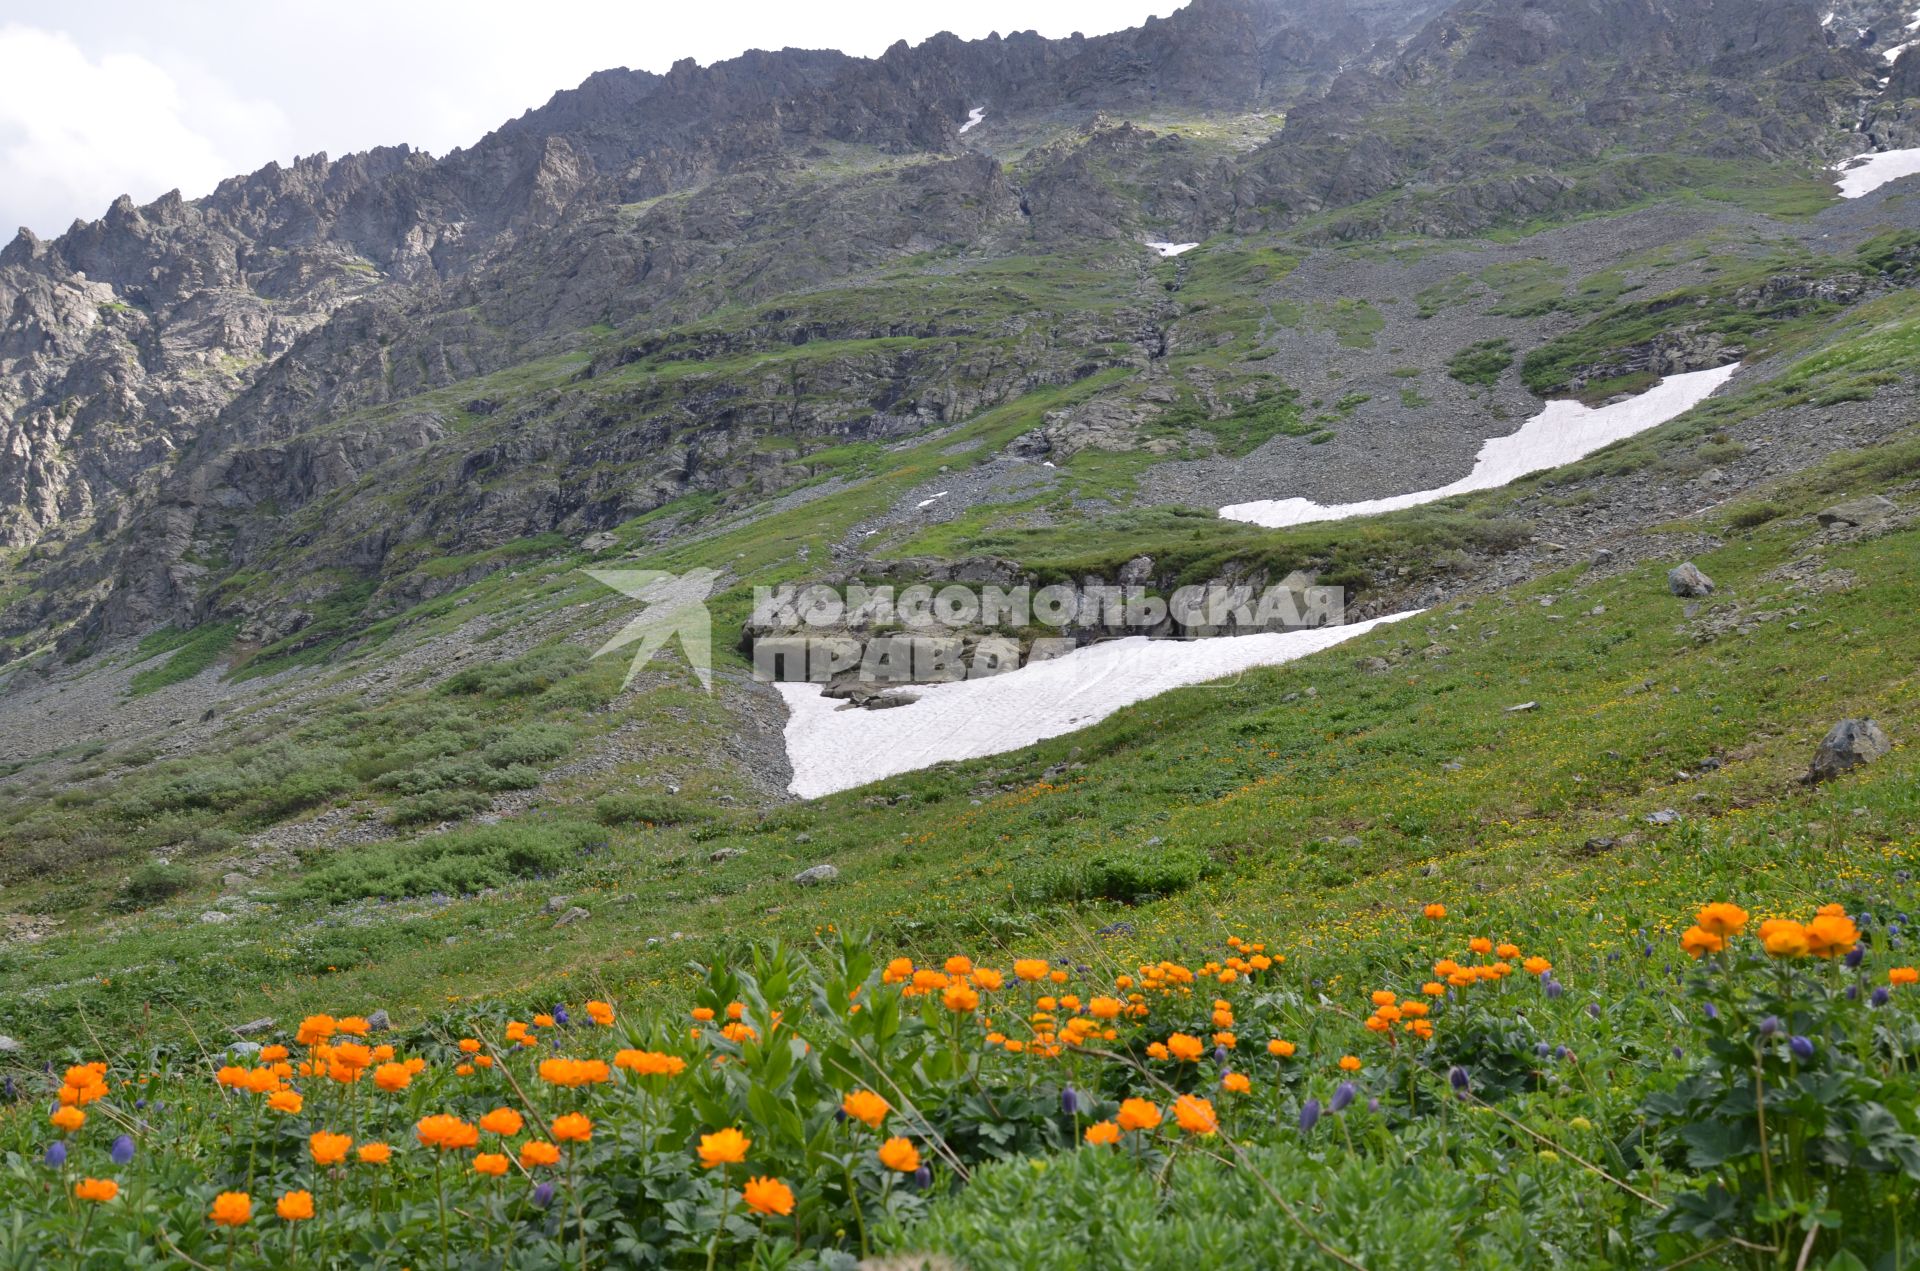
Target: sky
[104,97]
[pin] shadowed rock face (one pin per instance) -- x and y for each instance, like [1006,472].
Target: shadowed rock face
[177,379]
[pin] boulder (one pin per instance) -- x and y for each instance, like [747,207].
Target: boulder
[817,875]
[573,915]
[1868,511]
[253,1027]
[1685,579]
[1848,745]
[9,1046]
[379,1022]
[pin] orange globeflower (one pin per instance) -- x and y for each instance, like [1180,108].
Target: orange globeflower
[1195,1115]
[444,1132]
[1138,1114]
[1030,969]
[1698,942]
[600,1013]
[959,964]
[723,1147]
[1281,1049]
[314,1028]
[1185,1047]
[648,1063]
[1784,938]
[492,1164]
[68,1119]
[286,1101]
[328,1148]
[1537,966]
[865,1106]
[1236,1083]
[353,1026]
[987,978]
[375,1153]
[1721,918]
[470,1045]
[959,998]
[1903,975]
[1103,1133]
[294,1206]
[502,1121]
[572,1127]
[1831,934]
[97,1190]
[536,1152]
[1480,944]
[899,1154]
[1383,998]
[768,1196]
[1105,1007]
[272,1054]
[232,1209]
[1433,988]
[392,1076]
[1435,912]
[1349,1063]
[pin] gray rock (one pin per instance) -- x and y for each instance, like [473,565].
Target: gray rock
[724,854]
[573,915]
[378,1022]
[215,916]
[1522,708]
[1665,816]
[244,1048]
[1373,665]
[253,1026]
[1685,579]
[234,881]
[1868,511]
[8,1046]
[599,542]
[1848,745]
[817,875]
[555,904]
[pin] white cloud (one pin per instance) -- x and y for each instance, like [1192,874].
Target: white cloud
[131,96]
[77,132]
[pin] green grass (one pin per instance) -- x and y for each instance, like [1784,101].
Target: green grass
[192,650]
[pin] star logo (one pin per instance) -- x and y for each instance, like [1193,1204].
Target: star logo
[676,607]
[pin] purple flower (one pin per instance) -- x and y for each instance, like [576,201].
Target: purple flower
[1770,1025]
[1542,1049]
[1373,1106]
[922,1178]
[1855,956]
[1678,1053]
[1802,1047]
[560,1016]
[1555,988]
[1562,1053]
[1220,1054]
[1070,1101]
[57,1153]
[1853,992]
[1309,1116]
[122,1150]
[1593,1009]
[1342,1096]
[1713,1012]
[543,1195]
[1880,996]
[1458,1079]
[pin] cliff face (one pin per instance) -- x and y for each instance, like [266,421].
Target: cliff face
[179,381]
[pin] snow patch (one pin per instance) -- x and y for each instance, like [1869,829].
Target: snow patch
[1172,249]
[927,503]
[833,749]
[974,117]
[1563,433]
[1863,174]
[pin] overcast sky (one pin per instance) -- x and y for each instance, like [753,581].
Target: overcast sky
[104,97]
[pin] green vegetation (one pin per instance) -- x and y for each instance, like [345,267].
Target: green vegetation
[193,651]
[1482,364]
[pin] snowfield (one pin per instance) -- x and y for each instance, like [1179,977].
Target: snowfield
[833,749]
[974,117]
[1863,174]
[1172,249]
[1563,433]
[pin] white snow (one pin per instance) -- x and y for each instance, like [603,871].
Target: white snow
[1561,434]
[927,503]
[1893,54]
[974,117]
[1863,174]
[1172,249]
[833,749]
[1828,20]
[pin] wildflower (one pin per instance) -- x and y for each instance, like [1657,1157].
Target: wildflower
[1784,938]
[1457,1078]
[1103,1134]
[1855,956]
[1435,912]
[1236,1083]
[1879,997]
[313,1029]
[1185,1048]
[1157,1050]
[899,1154]
[56,1154]
[537,1152]
[723,1147]
[543,1195]
[1309,1115]
[1195,1115]
[572,1127]
[1903,975]
[1030,969]
[1536,966]
[865,1106]
[1350,1063]
[353,1026]
[232,1209]
[492,1164]
[294,1206]
[375,1153]
[768,1196]
[959,998]
[1138,1114]
[327,1148]
[574,1073]
[1105,1008]
[121,1152]
[1433,988]
[1770,1025]
[600,1013]
[1069,1101]
[97,1190]
[544,1021]
[1802,1047]
[1831,934]
[286,1101]
[502,1121]
[443,1131]
[272,1054]
[1281,1049]
[1343,1095]
[1721,919]
[68,1119]
[1480,944]
[470,1045]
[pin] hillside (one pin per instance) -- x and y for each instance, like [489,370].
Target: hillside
[1487,314]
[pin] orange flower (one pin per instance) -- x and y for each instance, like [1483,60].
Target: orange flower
[768,1196]
[1721,919]
[314,1028]
[1103,1133]
[574,1073]
[97,1190]
[572,1127]
[959,998]
[68,1119]
[1698,942]
[865,1106]
[392,1076]
[723,1147]
[987,978]
[705,1013]
[272,1054]
[353,1026]
[1195,1115]
[543,1021]
[1383,998]
[1480,944]
[537,1152]
[470,1045]
[899,1154]
[1537,966]
[648,1063]
[445,1132]
[959,964]
[1903,975]
[1105,1007]
[286,1101]
[1831,934]
[1236,1083]
[1185,1048]
[375,1153]
[327,1148]
[492,1164]
[232,1209]
[1508,950]
[1435,912]
[1784,938]
[1138,1114]
[502,1121]
[600,1013]
[897,970]
[1030,969]
[1281,1049]
[294,1206]
[1349,1063]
